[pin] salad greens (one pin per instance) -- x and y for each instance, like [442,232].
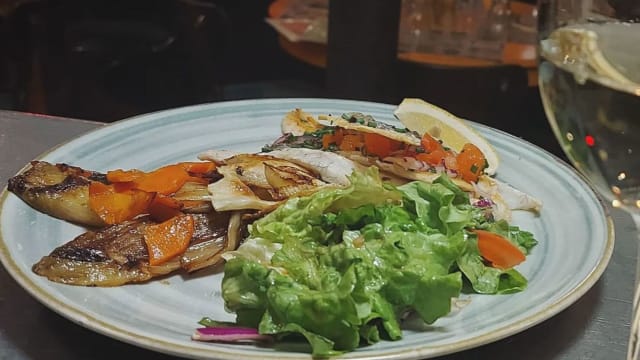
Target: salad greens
[341,267]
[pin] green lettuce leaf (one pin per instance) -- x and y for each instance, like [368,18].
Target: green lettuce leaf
[440,207]
[486,279]
[340,267]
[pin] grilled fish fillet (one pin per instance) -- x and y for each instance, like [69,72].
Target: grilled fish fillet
[117,255]
[59,190]
[62,191]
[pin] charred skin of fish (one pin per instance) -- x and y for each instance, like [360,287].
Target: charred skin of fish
[112,255]
[117,254]
[58,190]
[62,191]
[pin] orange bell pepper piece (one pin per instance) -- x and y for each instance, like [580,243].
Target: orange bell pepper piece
[499,251]
[165,180]
[119,175]
[113,206]
[169,238]
[163,207]
[198,167]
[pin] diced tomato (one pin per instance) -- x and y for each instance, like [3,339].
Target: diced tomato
[471,163]
[430,144]
[450,161]
[380,145]
[334,138]
[434,157]
[351,142]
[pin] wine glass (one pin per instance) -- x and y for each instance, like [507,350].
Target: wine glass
[589,79]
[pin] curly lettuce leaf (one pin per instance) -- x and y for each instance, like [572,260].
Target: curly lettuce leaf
[302,219]
[441,205]
[340,267]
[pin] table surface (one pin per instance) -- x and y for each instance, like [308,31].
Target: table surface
[595,327]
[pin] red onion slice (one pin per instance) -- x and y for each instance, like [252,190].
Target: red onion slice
[229,334]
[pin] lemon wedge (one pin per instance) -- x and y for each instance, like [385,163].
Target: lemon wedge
[422,117]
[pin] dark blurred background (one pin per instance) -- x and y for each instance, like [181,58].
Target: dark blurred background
[106,60]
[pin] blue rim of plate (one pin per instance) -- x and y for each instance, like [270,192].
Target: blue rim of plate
[76,315]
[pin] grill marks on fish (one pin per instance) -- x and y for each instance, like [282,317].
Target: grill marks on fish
[117,255]
[59,190]
[62,191]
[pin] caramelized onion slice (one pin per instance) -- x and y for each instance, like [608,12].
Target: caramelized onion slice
[199,256]
[209,253]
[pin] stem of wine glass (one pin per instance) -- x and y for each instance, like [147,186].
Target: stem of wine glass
[634,337]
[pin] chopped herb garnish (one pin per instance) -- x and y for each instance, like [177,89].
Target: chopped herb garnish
[309,144]
[323,131]
[474,168]
[400,130]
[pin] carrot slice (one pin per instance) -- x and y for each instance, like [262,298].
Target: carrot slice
[499,251]
[114,207]
[169,238]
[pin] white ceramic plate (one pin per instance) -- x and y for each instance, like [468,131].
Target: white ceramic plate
[575,237]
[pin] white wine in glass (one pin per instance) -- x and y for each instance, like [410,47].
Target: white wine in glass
[590,87]
[589,79]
